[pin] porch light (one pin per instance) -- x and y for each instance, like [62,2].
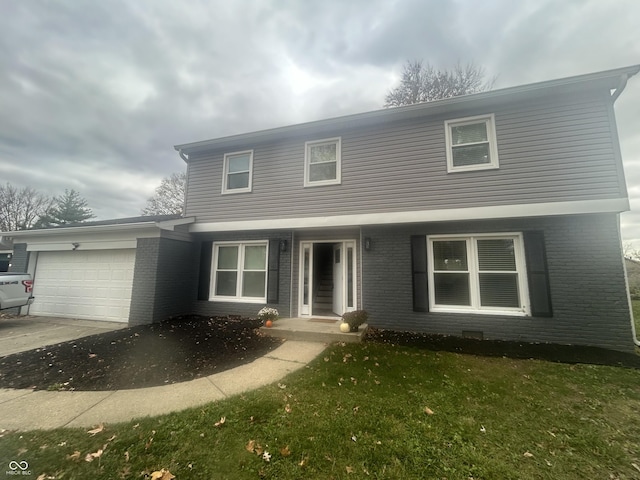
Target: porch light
[367,243]
[283,245]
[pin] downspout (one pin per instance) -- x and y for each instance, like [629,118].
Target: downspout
[614,96]
[186,183]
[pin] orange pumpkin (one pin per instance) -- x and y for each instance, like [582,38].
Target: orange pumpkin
[268,323]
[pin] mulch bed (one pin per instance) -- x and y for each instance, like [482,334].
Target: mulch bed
[498,348]
[177,350]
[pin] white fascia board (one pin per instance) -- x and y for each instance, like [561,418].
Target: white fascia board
[84,246]
[88,240]
[141,227]
[614,205]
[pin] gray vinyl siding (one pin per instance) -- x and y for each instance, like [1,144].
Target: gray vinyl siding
[559,149]
[586,276]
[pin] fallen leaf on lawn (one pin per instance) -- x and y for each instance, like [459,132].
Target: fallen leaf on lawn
[282,385]
[74,456]
[551,433]
[111,438]
[482,429]
[163,474]
[428,411]
[251,446]
[266,456]
[635,466]
[126,456]
[287,408]
[303,462]
[92,456]
[93,355]
[355,410]
[259,449]
[349,469]
[527,454]
[96,430]
[285,452]
[62,444]
[220,422]
[354,438]
[136,426]
[326,359]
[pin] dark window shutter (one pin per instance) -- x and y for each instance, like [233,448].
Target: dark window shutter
[273,277]
[204,280]
[419,273]
[537,274]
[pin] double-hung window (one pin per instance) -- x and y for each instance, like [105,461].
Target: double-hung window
[237,172]
[322,162]
[239,272]
[484,273]
[471,143]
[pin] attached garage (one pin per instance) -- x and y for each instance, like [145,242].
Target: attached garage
[93,285]
[133,270]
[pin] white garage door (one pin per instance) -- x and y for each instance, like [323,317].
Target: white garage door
[94,285]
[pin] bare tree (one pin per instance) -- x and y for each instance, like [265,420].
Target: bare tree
[630,251]
[424,83]
[169,196]
[20,208]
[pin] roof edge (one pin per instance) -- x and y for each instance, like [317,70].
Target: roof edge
[408,111]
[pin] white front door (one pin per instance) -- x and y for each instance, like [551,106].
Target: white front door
[315,262]
[338,279]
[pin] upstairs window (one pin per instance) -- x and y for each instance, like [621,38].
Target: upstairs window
[471,144]
[322,162]
[481,273]
[238,169]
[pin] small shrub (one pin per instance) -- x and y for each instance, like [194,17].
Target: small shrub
[355,318]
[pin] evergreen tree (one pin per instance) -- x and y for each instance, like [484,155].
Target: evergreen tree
[66,209]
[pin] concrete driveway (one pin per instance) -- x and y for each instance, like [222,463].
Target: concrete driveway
[18,334]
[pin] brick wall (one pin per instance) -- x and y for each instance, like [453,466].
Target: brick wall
[215,308]
[19,263]
[163,283]
[586,276]
[20,258]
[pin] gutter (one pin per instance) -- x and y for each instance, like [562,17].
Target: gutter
[620,88]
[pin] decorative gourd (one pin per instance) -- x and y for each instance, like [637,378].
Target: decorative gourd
[344,327]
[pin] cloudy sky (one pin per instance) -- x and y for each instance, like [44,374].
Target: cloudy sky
[93,95]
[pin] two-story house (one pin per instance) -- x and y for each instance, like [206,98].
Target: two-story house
[494,215]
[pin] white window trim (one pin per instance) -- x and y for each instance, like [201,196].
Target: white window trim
[214,263]
[225,173]
[490,123]
[307,159]
[475,307]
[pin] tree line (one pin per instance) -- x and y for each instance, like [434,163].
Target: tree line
[23,208]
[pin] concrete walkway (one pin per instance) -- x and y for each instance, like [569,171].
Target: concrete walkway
[30,410]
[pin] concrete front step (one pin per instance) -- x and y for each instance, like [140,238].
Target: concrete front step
[313,330]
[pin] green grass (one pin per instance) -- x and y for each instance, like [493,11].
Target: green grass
[360,408]
[636,315]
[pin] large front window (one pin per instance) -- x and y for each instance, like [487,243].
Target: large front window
[483,273]
[239,272]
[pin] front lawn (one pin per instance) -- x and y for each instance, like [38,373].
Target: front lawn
[636,315]
[375,411]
